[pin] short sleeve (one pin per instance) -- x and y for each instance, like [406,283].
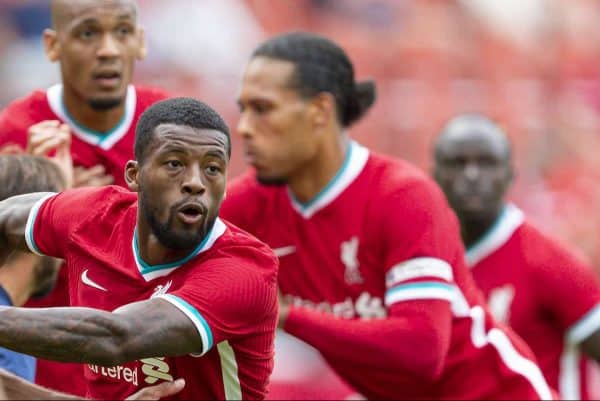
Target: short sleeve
[227,302]
[420,241]
[569,291]
[52,218]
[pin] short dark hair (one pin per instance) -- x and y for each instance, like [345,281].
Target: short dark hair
[179,111]
[24,174]
[322,66]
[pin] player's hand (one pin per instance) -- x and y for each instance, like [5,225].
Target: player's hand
[48,136]
[11,149]
[165,389]
[91,177]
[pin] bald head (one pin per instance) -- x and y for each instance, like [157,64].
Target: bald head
[473,166]
[473,128]
[63,11]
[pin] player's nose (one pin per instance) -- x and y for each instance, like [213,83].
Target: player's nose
[244,126]
[109,47]
[192,183]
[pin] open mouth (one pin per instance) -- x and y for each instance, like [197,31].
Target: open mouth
[190,213]
[108,78]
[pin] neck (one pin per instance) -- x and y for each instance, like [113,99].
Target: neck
[473,228]
[152,251]
[17,277]
[318,172]
[96,120]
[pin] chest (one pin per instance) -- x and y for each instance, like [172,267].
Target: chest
[107,280]
[330,261]
[508,288]
[113,159]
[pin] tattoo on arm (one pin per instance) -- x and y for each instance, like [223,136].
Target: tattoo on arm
[152,328]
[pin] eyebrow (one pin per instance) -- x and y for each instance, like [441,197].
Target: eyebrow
[217,153]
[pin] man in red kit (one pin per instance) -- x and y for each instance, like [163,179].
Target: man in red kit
[96,44]
[162,287]
[550,297]
[372,269]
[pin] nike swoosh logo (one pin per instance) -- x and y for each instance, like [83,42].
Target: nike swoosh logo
[86,280]
[284,250]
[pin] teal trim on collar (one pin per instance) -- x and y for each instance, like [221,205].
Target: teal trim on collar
[146,268]
[101,135]
[330,184]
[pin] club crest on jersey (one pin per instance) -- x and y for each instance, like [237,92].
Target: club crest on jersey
[348,255]
[161,289]
[500,301]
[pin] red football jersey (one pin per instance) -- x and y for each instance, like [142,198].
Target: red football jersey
[88,148]
[378,239]
[546,294]
[227,287]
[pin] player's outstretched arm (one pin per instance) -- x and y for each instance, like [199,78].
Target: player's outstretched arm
[151,328]
[14,212]
[15,388]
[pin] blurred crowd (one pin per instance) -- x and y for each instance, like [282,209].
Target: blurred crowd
[533,66]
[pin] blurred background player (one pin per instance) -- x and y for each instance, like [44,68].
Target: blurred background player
[371,263]
[96,44]
[25,275]
[537,285]
[164,288]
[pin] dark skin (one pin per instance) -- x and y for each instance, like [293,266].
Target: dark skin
[474,169]
[97,44]
[473,166]
[180,164]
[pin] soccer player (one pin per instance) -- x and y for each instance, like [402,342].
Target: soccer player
[96,44]
[372,269]
[548,295]
[26,275]
[162,287]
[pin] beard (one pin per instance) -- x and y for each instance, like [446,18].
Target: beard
[167,236]
[104,104]
[45,274]
[271,181]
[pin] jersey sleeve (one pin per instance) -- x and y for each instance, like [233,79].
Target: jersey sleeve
[225,306]
[420,241]
[53,218]
[569,291]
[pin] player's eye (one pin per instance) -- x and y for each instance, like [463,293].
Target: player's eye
[124,30]
[86,34]
[213,169]
[173,164]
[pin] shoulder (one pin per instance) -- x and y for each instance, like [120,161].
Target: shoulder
[20,114]
[254,256]
[546,254]
[146,96]
[94,203]
[401,186]
[243,197]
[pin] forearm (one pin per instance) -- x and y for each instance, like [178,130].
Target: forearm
[15,388]
[64,334]
[145,329]
[414,342]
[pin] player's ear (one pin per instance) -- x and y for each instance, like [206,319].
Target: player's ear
[322,109]
[132,175]
[51,45]
[141,37]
